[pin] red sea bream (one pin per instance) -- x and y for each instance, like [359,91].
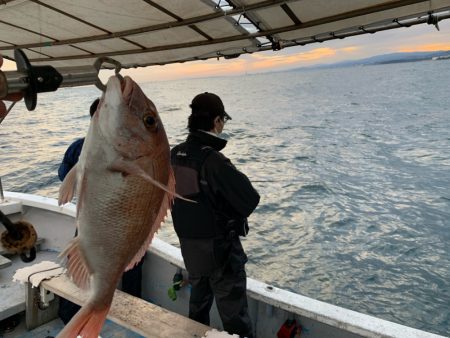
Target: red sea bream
[124,186]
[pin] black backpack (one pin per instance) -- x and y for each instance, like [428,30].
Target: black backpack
[192,220]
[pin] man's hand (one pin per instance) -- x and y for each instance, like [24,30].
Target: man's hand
[11,97]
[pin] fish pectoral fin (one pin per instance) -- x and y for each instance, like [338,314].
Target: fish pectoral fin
[132,168]
[76,265]
[67,188]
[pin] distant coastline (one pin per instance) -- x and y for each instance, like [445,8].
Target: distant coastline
[386,59]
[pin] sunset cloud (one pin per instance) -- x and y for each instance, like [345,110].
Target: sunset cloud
[258,62]
[350,49]
[246,63]
[263,61]
[426,47]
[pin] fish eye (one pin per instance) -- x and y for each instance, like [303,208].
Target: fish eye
[149,121]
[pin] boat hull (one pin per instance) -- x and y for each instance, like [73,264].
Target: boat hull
[269,306]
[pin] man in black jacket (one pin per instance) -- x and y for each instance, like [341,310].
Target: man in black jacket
[209,229]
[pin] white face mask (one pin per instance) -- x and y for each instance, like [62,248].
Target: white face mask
[216,130]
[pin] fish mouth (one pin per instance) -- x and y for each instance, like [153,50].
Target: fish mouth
[121,86]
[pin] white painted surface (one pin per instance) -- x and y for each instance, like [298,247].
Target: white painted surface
[219,334]
[36,273]
[40,202]
[9,207]
[4,262]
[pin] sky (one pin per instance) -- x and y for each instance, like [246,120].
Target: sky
[416,38]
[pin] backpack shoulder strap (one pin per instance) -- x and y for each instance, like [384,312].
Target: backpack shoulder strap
[204,186]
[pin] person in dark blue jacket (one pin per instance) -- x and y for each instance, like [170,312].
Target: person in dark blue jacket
[132,279]
[70,158]
[73,152]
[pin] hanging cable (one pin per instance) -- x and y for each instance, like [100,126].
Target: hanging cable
[400,24]
[365,30]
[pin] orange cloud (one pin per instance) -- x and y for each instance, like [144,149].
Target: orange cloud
[212,67]
[349,49]
[189,69]
[426,47]
[263,61]
[246,63]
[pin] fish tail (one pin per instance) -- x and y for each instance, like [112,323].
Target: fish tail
[87,323]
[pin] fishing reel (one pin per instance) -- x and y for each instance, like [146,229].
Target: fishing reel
[31,80]
[40,79]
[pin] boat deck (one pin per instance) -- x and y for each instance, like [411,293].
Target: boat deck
[133,313]
[52,328]
[12,294]
[129,316]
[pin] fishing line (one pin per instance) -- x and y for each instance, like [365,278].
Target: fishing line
[34,273]
[40,27]
[7,111]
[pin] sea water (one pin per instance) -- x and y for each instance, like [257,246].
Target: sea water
[352,165]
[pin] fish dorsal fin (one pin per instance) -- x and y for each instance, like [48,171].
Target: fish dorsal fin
[132,168]
[68,186]
[162,213]
[76,265]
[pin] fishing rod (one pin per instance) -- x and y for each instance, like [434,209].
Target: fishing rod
[31,80]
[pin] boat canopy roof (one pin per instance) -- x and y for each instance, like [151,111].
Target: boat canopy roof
[140,33]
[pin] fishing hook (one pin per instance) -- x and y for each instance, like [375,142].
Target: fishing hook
[117,67]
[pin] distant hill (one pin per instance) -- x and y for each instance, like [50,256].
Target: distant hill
[387,58]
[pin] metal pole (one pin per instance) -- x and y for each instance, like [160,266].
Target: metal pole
[10,226]
[2,197]
[15,81]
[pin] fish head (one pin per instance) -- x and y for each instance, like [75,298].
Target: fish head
[129,121]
